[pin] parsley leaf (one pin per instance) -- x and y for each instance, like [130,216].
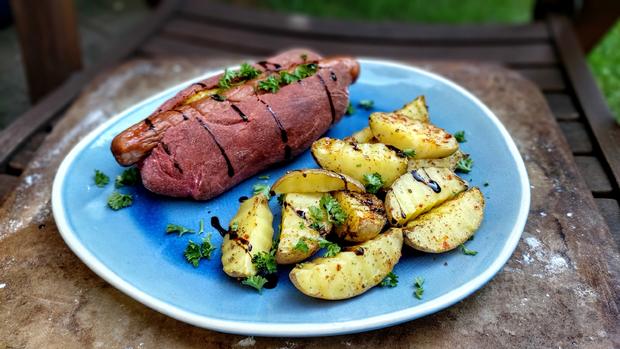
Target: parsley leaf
[287,78]
[332,247]
[227,79]
[335,213]
[373,182]
[234,226]
[419,289]
[271,84]
[263,177]
[130,176]
[317,217]
[366,104]
[465,165]
[101,179]
[201,226]
[350,109]
[467,251]
[303,71]
[179,229]
[248,72]
[255,281]
[194,252]
[391,280]
[304,57]
[265,262]
[460,136]
[116,200]
[262,188]
[410,153]
[301,245]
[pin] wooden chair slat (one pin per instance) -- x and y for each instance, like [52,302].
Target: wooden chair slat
[610,210]
[22,157]
[592,171]
[577,136]
[562,106]
[165,46]
[7,183]
[548,79]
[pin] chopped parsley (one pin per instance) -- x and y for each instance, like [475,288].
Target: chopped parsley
[332,247]
[350,109]
[234,226]
[467,251]
[303,71]
[302,225]
[262,188]
[230,77]
[391,280]
[129,177]
[265,262]
[194,252]
[317,217]
[465,165]
[419,288]
[410,153]
[179,229]
[335,213]
[366,104]
[255,281]
[460,136]
[227,79]
[287,78]
[271,84]
[302,246]
[248,72]
[373,182]
[263,177]
[116,200]
[101,179]
[201,226]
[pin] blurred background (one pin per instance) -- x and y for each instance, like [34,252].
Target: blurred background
[103,24]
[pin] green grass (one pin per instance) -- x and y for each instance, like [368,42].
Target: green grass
[445,11]
[605,64]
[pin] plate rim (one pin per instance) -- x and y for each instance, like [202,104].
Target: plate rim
[294,329]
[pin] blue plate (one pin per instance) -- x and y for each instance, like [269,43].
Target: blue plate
[130,249]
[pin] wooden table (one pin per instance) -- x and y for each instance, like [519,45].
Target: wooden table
[560,288]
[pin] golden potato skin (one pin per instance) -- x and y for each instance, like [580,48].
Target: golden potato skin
[449,161]
[415,110]
[447,226]
[365,216]
[428,141]
[295,226]
[409,197]
[315,180]
[358,159]
[254,228]
[352,272]
[362,136]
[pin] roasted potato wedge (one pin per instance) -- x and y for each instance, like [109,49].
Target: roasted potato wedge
[419,191]
[296,226]
[315,180]
[415,110]
[358,159]
[351,272]
[449,161]
[447,226]
[365,216]
[428,141]
[362,136]
[254,234]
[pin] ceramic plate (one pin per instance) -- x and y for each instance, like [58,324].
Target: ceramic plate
[130,249]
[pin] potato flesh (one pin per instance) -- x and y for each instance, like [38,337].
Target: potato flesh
[295,228]
[365,216]
[446,227]
[349,274]
[428,141]
[408,197]
[356,160]
[415,110]
[362,136]
[315,181]
[254,228]
[449,161]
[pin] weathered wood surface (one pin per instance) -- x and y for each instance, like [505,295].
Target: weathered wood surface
[561,288]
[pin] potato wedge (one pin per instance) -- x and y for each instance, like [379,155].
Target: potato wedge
[295,227]
[428,141]
[351,272]
[362,136]
[254,234]
[419,191]
[415,110]
[449,161]
[315,180]
[365,216]
[358,159]
[447,226]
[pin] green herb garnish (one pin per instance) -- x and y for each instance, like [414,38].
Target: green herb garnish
[116,200]
[194,252]
[335,213]
[350,109]
[332,247]
[179,229]
[101,179]
[303,71]
[460,136]
[265,262]
[129,177]
[467,251]
[271,84]
[302,225]
[261,188]
[227,79]
[419,289]
[410,153]
[373,182]
[391,280]
[234,226]
[301,245]
[287,78]
[317,218]
[201,226]
[465,165]
[366,104]
[255,281]
[265,177]
[248,72]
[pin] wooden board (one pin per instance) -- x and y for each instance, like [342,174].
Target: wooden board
[561,288]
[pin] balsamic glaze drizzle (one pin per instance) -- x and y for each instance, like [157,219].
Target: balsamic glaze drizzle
[215,223]
[430,183]
[243,198]
[329,97]
[283,133]
[231,170]
[149,124]
[241,114]
[200,84]
[287,152]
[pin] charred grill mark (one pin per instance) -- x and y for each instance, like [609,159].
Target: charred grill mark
[283,133]
[241,114]
[149,124]
[329,97]
[231,170]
